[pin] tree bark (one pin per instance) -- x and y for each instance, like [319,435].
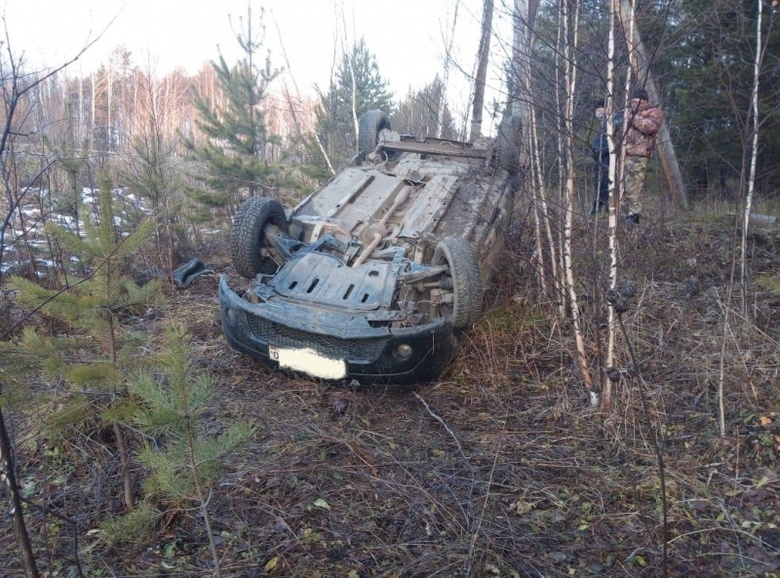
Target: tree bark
[754,110]
[482,64]
[9,481]
[521,104]
[570,37]
[521,98]
[606,396]
[641,67]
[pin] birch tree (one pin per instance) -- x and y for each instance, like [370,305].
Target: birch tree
[755,122]
[570,22]
[614,203]
[521,104]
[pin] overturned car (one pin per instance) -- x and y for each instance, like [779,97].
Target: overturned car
[367,279]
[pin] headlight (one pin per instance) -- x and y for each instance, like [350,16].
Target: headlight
[402,352]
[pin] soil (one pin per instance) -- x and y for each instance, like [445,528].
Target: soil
[503,468]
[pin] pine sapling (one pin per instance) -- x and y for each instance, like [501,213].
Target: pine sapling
[97,353]
[185,464]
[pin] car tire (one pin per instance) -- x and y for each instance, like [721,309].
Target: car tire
[462,260]
[247,238]
[370,125]
[509,144]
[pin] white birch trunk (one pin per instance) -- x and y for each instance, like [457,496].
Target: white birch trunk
[746,222]
[606,400]
[522,106]
[616,163]
[354,100]
[570,46]
[350,52]
[540,206]
[558,264]
[753,158]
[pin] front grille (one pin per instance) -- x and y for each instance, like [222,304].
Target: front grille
[334,347]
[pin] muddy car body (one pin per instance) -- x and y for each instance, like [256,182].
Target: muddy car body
[367,279]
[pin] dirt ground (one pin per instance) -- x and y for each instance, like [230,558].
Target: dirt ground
[503,468]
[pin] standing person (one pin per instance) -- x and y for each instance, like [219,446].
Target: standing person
[644,121]
[600,147]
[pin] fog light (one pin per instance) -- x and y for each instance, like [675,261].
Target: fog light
[230,314]
[402,352]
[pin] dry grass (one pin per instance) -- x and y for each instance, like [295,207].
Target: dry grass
[499,469]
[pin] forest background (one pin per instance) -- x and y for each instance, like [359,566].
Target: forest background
[129,449]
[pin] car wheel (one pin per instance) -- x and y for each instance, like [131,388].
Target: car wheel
[371,123]
[461,258]
[509,143]
[247,238]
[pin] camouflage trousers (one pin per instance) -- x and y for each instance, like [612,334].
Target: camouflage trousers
[633,181]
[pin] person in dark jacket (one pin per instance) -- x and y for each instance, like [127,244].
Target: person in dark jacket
[600,146]
[643,125]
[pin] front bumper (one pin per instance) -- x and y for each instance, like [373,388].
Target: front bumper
[332,344]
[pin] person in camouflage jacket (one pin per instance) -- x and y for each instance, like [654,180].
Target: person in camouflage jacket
[644,122]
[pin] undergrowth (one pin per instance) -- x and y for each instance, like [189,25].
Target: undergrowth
[502,468]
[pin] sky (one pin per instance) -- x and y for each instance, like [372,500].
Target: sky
[407,37]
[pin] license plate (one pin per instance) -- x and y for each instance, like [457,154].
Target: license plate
[308,361]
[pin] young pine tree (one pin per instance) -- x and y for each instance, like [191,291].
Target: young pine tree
[357,87]
[97,352]
[186,464]
[152,174]
[235,157]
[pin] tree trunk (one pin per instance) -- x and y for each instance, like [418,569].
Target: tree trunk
[753,160]
[570,36]
[92,105]
[9,482]
[521,98]
[482,64]
[121,442]
[606,397]
[521,104]
[353,103]
[642,71]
